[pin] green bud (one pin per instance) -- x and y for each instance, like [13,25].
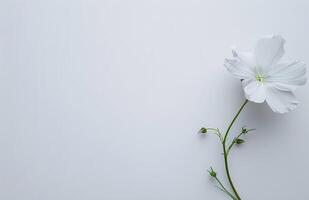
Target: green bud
[244,130]
[239,141]
[212,173]
[203,130]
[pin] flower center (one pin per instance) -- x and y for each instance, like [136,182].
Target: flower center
[259,78]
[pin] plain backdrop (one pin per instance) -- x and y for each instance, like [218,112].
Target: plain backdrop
[102,100]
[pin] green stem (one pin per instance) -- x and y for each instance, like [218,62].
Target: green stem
[216,132]
[224,189]
[225,151]
[233,142]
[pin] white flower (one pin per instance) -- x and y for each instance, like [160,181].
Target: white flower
[265,77]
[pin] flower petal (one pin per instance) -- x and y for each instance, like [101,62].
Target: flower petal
[288,75]
[247,58]
[254,90]
[268,51]
[241,66]
[280,101]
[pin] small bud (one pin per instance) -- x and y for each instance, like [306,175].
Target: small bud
[212,173]
[244,130]
[203,130]
[239,141]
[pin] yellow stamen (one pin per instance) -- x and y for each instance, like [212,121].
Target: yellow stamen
[259,78]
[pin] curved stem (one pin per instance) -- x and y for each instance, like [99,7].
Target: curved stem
[225,151]
[233,142]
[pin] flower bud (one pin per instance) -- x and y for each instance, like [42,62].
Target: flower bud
[203,130]
[212,173]
[244,130]
[239,141]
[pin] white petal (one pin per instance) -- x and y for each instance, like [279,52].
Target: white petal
[241,66]
[280,101]
[254,90]
[287,76]
[247,58]
[269,50]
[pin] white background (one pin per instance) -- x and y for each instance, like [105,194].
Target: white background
[102,100]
